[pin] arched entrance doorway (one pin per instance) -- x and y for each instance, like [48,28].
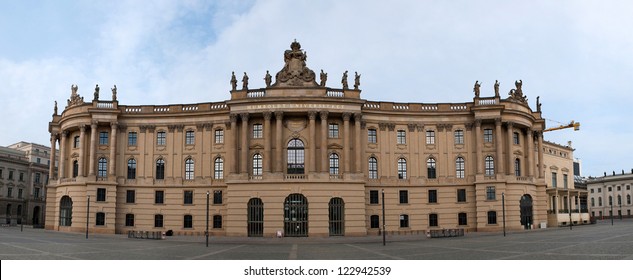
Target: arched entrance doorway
[36,215]
[337,216]
[526,211]
[255,217]
[296,215]
[65,211]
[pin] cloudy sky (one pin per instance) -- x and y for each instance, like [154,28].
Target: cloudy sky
[576,55]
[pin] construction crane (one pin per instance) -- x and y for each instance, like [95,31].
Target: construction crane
[575,125]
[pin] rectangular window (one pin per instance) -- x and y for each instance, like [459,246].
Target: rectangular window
[488,135]
[217,197]
[21,177]
[129,220]
[188,197]
[1,176]
[565,182]
[373,197]
[20,191]
[158,220]
[190,137]
[462,219]
[404,221]
[459,136]
[491,193]
[404,197]
[159,197]
[258,130]
[132,138]
[161,138]
[372,136]
[9,192]
[373,168]
[430,137]
[76,142]
[217,221]
[188,221]
[515,138]
[130,196]
[374,221]
[36,192]
[461,195]
[332,130]
[10,174]
[38,178]
[103,138]
[101,194]
[219,136]
[492,217]
[432,196]
[100,221]
[554,182]
[433,220]
[401,137]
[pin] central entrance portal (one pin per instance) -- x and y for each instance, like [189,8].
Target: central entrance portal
[526,211]
[296,215]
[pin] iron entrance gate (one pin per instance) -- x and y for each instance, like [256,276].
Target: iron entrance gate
[255,217]
[526,211]
[337,216]
[296,215]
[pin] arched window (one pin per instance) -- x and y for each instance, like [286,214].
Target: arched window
[593,202]
[75,168]
[160,169]
[517,167]
[131,168]
[218,168]
[257,165]
[402,168]
[333,164]
[490,166]
[296,157]
[610,200]
[102,168]
[460,168]
[619,199]
[373,168]
[189,169]
[599,201]
[628,199]
[337,216]
[430,168]
[65,211]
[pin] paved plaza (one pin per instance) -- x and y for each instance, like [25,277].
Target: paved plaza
[600,241]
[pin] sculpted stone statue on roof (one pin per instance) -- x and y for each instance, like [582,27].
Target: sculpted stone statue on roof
[75,98]
[295,73]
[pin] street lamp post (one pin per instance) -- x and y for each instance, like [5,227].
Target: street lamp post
[503,209]
[206,233]
[569,198]
[384,241]
[87,216]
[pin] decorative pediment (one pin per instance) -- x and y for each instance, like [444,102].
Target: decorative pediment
[334,146]
[257,146]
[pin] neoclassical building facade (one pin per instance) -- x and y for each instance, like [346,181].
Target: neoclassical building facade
[299,158]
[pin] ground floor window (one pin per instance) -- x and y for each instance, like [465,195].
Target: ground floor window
[158,220]
[462,219]
[129,220]
[492,217]
[100,221]
[188,221]
[404,221]
[433,220]
[217,221]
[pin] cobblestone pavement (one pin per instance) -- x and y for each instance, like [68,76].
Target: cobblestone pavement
[601,241]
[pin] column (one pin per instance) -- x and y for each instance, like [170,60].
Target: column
[62,156]
[51,165]
[499,166]
[80,161]
[346,141]
[541,167]
[479,147]
[510,145]
[312,149]
[267,139]
[279,115]
[324,159]
[244,153]
[113,129]
[230,142]
[93,143]
[357,147]
[199,163]
[529,139]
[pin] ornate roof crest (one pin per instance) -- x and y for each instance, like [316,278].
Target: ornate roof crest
[75,98]
[295,73]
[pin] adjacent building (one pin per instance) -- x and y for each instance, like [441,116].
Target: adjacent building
[24,173]
[610,195]
[300,158]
